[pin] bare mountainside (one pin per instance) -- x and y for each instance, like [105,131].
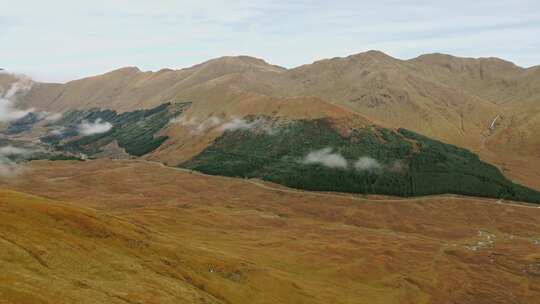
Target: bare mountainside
[136,232]
[488,105]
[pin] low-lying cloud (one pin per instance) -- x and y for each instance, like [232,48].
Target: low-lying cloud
[233,124]
[8,167]
[8,100]
[97,127]
[242,124]
[208,124]
[8,112]
[58,131]
[49,116]
[22,85]
[238,124]
[53,116]
[195,126]
[8,109]
[326,157]
[14,151]
[367,163]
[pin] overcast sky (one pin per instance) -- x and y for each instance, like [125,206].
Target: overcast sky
[59,40]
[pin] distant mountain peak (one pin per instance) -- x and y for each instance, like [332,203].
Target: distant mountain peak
[126,70]
[373,54]
[240,61]
[446,59]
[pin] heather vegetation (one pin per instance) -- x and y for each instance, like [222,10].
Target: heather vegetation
[378,161]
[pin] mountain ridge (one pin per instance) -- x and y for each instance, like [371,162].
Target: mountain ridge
[359,54]
[449,98]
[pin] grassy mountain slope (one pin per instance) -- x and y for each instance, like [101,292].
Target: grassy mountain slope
[80,255]
[449,98]
[137,232]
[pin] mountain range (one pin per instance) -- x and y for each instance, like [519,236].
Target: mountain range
[487,105]
[365,179]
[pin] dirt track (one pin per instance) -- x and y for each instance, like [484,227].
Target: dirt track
[269,186]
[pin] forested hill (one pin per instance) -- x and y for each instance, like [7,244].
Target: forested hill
[314,155]
[323,154]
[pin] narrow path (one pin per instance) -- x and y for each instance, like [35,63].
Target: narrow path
[267,186]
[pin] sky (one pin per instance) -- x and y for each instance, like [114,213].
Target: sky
[61,40]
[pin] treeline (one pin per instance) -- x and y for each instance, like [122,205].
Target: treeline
[410,164]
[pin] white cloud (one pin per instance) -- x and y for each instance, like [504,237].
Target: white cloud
[49,116]
[97,127]
[8,112]
[22,85]
[9,168]
[233,124]
[91,37]
[398,166]
[12,151]
[367,164]
[238,124]
[326,158]
[58,131]
[242,124]
[214,121]
[208,124]
[183,121]
[195,126]
[8,109]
